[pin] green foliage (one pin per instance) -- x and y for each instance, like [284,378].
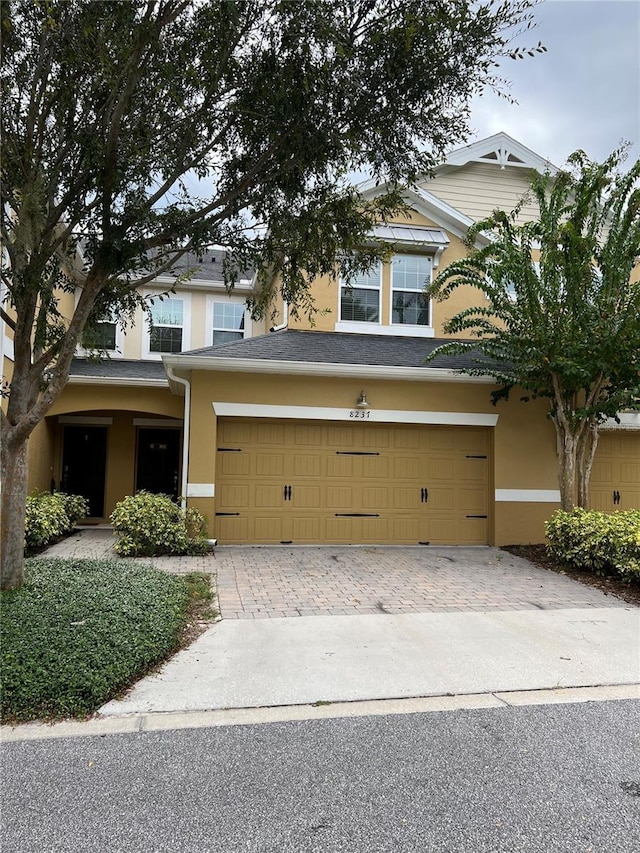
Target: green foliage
[150,525]
[564,328]
[604,543]
[50,516]
[79,631]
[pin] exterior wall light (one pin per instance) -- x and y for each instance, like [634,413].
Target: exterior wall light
[362,401]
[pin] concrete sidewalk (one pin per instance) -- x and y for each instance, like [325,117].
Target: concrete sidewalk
[273,662]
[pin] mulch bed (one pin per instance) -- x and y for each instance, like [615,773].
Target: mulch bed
[539,555]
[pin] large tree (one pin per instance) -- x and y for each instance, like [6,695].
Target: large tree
[136,131]
[560,317]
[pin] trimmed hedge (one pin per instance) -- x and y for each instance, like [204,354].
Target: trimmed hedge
[600,542]
[50,516]
[150,525]
[79,631]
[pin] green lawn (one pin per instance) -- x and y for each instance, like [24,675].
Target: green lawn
[80,631]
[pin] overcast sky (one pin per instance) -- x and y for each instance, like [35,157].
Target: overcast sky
[583,93]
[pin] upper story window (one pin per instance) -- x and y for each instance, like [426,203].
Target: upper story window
[228,322]
[169,326]
[167,323]
[410,274]
[360,299]
[227,319]
[103,336]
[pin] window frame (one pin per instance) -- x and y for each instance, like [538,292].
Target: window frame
[425,329]
[224,299]
[147,352]
[362,323]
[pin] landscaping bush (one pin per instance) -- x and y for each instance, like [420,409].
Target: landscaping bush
[50,516]
[604,543]
[151,525]
[79,631]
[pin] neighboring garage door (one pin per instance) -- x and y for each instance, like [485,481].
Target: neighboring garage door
[615,476]
[320,482]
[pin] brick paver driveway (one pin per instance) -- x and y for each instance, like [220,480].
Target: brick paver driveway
[257,582]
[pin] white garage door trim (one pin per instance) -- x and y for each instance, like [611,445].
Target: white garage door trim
[326,413]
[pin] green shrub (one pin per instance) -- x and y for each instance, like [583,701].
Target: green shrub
[50,516]
[604,543]
[79,631]
[151,525]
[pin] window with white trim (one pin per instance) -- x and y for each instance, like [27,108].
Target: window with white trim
[410,274]
[360,299]
[167,325]
[103,336]
[228,322]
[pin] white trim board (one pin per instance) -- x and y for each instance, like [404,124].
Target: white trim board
[201,490]
[355,415]
[538,496]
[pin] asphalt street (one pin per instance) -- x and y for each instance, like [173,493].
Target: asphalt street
[539,779]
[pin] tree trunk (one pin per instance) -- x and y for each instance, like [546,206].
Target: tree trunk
[586,454]
[567,466]
[12,510]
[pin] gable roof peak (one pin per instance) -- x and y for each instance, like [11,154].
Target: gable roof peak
[500,150]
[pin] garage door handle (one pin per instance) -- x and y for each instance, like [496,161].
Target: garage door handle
[424,495]
[616,497]
[287,493]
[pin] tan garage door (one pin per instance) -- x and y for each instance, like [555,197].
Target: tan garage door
[615,476]
[319,482]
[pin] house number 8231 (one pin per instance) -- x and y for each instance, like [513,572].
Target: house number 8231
[359,413]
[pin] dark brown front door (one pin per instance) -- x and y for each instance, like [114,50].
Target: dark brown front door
[84,460]
[158,467]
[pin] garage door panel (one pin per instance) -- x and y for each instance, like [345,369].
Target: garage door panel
[407,530]
[472,500]
[234,464]
[471,441]
[406,498]
[271,434]
[471,471]
[270,464]
[307,465]
[407,468]
[340,466]
[406,439]
[268,496]
[270,529]
[307,528]
[442,497]
[473,531]
[233,530]
[441,469]
[374,467]
[307,496]
[234,496]
[375,498]
[234,432]
[308,435]
[340,497]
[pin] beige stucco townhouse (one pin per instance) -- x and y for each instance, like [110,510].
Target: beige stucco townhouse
[336,433]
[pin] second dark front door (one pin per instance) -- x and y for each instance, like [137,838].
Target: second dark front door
[158,468]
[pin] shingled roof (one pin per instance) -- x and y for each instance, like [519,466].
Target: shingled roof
[335,348]
[118,369]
